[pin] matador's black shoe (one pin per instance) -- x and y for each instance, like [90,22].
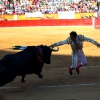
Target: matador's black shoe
[70,71]
[77,70]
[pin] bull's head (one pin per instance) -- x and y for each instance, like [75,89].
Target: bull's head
[47,50]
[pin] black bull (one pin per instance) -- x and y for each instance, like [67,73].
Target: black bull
[28,61]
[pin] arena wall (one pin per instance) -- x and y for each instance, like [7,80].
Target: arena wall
[51,22]
[46,22]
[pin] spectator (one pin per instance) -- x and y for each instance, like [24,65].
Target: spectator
[49,6]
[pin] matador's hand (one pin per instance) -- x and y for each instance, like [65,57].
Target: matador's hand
[53,45]
[98,45]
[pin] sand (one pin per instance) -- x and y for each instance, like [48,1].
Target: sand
[56,84]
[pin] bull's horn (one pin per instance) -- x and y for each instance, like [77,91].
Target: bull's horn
[55,49]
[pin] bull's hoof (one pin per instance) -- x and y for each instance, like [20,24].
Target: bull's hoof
[40,76]
[23,81]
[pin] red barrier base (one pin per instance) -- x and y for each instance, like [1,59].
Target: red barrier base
[46,22]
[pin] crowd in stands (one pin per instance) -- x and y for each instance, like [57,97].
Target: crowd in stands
[47,6]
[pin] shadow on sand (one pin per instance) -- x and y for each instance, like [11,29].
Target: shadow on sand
[57,72]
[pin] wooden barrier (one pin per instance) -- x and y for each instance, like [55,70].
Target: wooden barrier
[96,23]
[46,22]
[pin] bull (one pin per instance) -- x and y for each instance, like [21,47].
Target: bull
[29,60]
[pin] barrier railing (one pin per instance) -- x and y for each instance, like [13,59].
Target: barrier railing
[45,16]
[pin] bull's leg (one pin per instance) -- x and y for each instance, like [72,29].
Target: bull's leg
[22,80]
[38,73]
[40,76]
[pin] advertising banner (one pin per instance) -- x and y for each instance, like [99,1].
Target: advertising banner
[66,15]
[34,14]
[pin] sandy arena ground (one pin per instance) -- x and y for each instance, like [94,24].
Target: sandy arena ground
[56,84]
